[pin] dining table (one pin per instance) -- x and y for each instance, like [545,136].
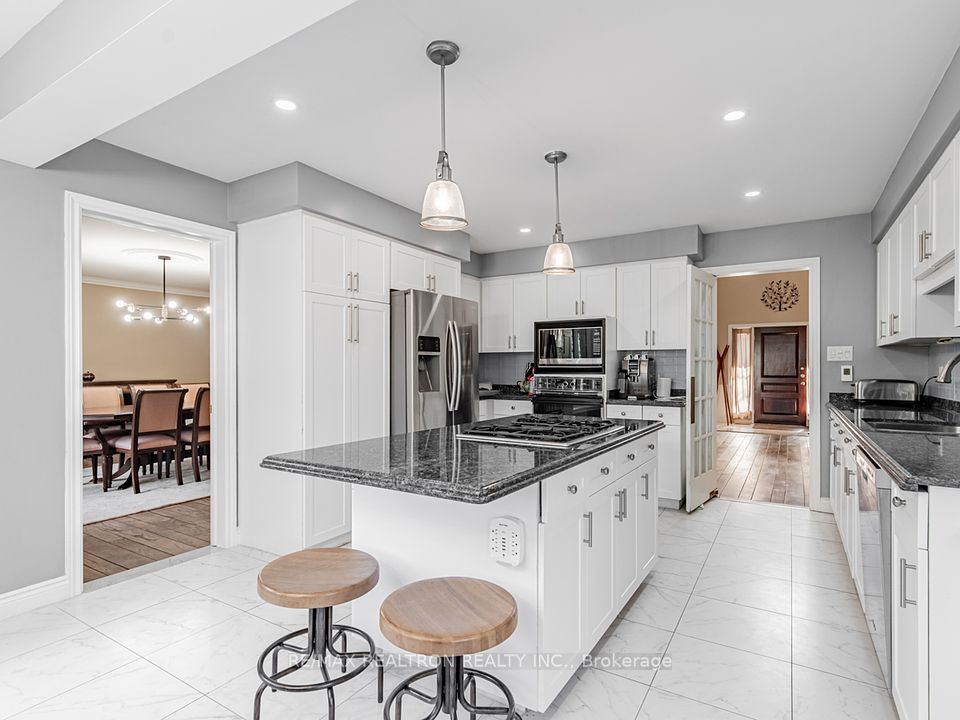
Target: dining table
[98,418]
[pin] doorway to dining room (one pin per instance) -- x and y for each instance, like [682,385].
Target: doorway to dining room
[152,315]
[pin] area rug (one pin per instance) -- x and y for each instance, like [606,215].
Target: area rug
[99,505]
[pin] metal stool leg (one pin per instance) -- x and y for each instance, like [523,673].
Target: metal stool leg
[453,682]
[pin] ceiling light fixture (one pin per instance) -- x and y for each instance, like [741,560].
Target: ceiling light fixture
[525,230]
[751,194]
[559,258]
[284,104]
[443,203]
[734,115]
[167,309]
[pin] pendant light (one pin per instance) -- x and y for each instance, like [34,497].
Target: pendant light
[443,203]
[559,258]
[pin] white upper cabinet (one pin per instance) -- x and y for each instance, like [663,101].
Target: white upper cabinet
[563,296]
[496,315]
[415,269]
[633,306]
[884,313]
[942,244]
[342,261]
[529,306]
[509,307]
[668,305]
[590,292]
[651,306]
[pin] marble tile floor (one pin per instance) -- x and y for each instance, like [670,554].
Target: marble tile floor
[742,632]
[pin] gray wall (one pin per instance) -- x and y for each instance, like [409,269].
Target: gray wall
[672,242]
[33,361]
[847,295]
[937,127]
[300,186]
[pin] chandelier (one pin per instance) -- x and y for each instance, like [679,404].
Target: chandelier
[167,311]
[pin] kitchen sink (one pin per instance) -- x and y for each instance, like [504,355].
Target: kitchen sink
[927,428]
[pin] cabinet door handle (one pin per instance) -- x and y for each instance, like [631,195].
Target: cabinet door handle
[514,342]
[349,282]
[618,515]
[904,566]
[588,541]
[576,308]
[846,481]
[883,324]
[646,486]
[646,337]
[654,334]
[924,236]
[583,310]
[356,282]
[356,326]
[894,324]
[349,323]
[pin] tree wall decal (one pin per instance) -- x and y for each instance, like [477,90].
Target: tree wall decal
[780,295]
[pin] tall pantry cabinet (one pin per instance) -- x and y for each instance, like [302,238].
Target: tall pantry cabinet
[314,296]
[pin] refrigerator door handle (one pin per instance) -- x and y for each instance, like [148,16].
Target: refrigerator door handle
[449,381]
[459,361]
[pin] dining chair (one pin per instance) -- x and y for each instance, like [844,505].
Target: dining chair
[192,388]
[157,424]
[92,451]
[198,434]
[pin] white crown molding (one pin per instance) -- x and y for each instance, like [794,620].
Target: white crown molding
[126,285]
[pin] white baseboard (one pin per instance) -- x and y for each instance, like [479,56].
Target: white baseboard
[35,596]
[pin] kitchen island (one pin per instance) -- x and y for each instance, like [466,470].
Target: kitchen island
[569,531]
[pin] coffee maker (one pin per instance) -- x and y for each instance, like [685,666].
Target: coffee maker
[641,375]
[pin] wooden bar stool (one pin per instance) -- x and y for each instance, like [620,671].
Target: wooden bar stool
[448,618]
[315,580]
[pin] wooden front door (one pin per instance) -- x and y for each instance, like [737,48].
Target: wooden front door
[780,375]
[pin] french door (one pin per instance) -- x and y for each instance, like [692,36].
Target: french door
[702,393]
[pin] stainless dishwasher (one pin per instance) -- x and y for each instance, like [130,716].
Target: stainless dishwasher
[873,486]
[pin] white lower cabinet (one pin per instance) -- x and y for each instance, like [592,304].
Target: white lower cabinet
[905,639]
[597,563]
[670,477]
[506,408]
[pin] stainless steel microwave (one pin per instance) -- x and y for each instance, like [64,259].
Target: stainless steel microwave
[565,346]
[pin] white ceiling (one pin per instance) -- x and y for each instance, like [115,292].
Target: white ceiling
[127,255]
[18,17]
[634,90]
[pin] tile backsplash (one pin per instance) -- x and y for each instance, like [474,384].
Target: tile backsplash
[941,355]
[670,363]
[503,368]
[508,368]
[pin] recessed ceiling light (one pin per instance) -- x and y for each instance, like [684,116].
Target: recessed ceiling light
[751,194]
[735,115]
[288,105]
[525,230]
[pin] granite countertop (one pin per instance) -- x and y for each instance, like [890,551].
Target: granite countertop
[677,400]
[436,464]
[911,459]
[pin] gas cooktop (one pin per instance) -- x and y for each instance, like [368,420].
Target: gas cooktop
[556,431]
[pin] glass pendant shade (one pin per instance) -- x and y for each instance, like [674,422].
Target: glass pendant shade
[443,207]
[558,260]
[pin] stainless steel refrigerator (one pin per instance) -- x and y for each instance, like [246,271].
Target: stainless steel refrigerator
[434,361]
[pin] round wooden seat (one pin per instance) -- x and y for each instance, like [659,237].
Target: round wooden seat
[449,617]
[318,578]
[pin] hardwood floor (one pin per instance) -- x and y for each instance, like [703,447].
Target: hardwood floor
[765,467]
[112,546]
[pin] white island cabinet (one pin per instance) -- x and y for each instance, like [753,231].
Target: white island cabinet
[587,537]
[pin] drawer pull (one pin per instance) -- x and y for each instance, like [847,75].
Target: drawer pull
[848,440]
[572,489]
[604,470]
[659,415]
[651,446]
[631,456]
[623,413]
[898,501]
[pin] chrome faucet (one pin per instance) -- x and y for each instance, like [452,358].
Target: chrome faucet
[947,370]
